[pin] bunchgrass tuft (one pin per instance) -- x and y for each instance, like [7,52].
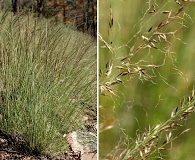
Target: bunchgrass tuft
[47,80]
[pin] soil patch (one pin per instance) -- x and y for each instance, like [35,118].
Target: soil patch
[13,147]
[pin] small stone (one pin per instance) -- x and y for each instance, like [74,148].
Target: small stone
[3,141]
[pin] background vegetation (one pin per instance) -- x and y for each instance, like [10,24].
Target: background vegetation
[47,80]
[79,13]
[154,77]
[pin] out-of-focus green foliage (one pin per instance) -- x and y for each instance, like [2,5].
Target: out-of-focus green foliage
[142,102]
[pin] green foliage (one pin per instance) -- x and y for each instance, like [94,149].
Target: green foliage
[48,80]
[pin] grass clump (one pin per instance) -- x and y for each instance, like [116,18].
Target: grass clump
[47,78]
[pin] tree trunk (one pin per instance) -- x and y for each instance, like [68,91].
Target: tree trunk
[40,7]
[15,6]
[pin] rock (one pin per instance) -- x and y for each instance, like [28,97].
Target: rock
[84,143]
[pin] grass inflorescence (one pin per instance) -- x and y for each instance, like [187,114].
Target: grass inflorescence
[137,51]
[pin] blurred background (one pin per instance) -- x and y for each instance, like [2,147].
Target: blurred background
[140,100]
